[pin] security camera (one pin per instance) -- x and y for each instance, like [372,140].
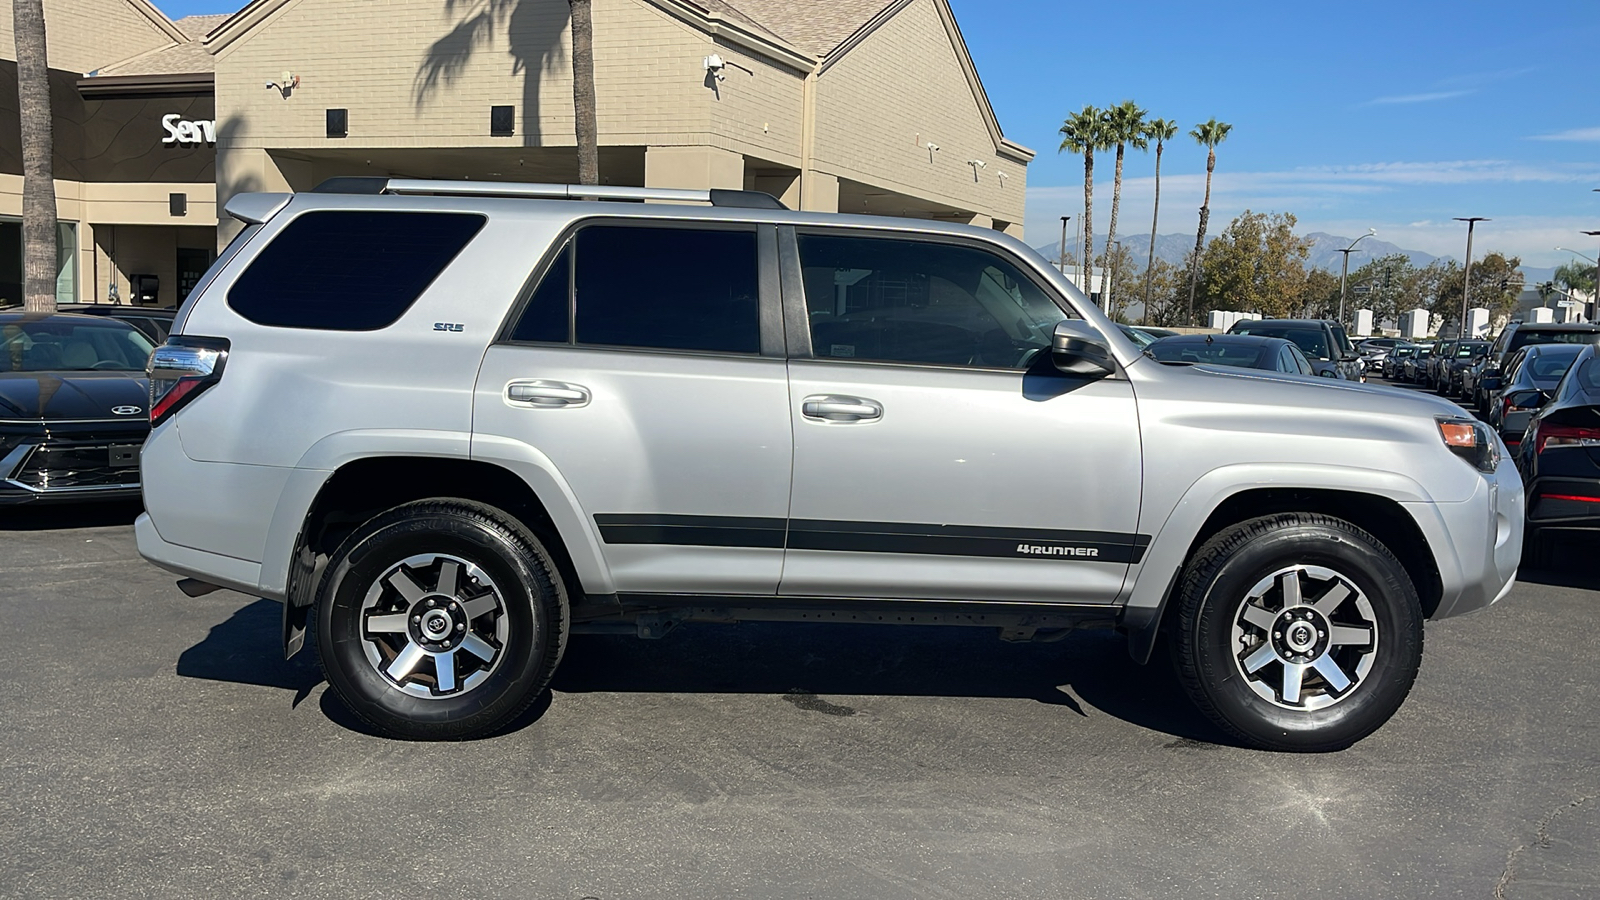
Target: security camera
[932,146]
[977,163]
[715,64]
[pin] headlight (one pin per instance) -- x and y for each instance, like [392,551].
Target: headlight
[1471,440]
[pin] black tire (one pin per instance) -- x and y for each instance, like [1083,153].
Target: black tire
[1213,592]
[526,599]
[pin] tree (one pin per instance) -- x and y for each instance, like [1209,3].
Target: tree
[1207,134]
[1320,298]
[1085,132]
[1574,277]
[1160,131]
[1257,265]
[39,262]
[1380,285]
[1166,284]
[584,115]
[1496,283]
[1124,127]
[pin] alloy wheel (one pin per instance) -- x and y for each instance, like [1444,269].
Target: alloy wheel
[434,626]
[1305,637]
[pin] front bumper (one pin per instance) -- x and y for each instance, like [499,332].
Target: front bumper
[1477,542]
[70,462]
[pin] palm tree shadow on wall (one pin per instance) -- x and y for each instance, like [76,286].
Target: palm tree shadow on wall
[533,30]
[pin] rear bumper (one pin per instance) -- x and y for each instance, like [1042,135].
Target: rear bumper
[212,568]
[1564,503]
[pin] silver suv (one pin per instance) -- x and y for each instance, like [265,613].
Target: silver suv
[448,424]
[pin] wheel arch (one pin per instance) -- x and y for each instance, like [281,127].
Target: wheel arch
[1373,501]
[366,486]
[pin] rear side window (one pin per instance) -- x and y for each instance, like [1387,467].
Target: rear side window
[349,270]
[667,288]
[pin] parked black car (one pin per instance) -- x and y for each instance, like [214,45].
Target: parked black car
[72,407]
[1394,362]
[1560,458]
[1323,342]
[155,322]
[1415,365]
[1531,375]
[1462,355]
[1239,350]
[1513,337]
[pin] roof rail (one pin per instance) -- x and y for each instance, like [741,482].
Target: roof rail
[451,188]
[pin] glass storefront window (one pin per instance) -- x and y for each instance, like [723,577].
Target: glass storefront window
[11,280]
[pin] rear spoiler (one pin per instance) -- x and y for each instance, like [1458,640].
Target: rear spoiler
[256,208]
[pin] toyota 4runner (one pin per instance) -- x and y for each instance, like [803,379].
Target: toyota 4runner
[448,424]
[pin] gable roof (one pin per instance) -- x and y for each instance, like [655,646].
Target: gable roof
[817,27]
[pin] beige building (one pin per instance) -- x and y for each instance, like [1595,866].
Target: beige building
[137,212]
[852,105]
[869,106]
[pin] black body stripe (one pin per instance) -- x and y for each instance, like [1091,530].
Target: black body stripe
[701,531]
[873,537]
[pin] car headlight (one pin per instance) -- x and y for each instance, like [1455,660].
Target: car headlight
[1471,440]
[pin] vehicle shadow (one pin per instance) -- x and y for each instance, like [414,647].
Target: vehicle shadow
[48,517]
[1569,566]
[1087,674]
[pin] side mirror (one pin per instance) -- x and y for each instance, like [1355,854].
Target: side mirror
[1329,373]
[1078,349]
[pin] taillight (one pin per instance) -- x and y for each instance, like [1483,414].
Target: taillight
[180,370]
[1548,435]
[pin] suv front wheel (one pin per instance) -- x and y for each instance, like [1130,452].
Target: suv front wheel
[1297,631]
[440,620]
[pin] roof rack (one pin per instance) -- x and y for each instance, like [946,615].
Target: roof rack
[449,188]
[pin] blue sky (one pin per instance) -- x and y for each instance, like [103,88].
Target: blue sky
[1395,116]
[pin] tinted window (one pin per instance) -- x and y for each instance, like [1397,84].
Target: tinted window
[349,270]
[1312,340]
[668,288]
[545,319]
[1553,364]
[1588,376]
[1524,338]
[921,302]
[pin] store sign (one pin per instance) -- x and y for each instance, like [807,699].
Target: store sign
[185,131]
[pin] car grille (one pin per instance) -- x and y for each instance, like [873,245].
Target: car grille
[83,461]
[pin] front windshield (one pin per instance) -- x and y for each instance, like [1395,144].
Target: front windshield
[1313,342]
[71,344]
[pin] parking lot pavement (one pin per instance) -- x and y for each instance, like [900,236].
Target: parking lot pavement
[156,745]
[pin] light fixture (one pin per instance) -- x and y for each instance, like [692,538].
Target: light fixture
[338,123]
[502,121]
[285,84]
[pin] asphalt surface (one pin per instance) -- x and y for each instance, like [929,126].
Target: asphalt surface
[157,745]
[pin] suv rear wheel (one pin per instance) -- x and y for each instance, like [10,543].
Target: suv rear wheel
[1297,631]
[440,620]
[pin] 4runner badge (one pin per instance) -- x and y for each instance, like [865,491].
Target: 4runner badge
[1036,550]
[449,326]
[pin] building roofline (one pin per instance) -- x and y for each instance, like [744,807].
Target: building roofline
[197,82]
[159,20]
[768,45]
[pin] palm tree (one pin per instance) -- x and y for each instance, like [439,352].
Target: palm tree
[1160,131]
[1085,132]
[583,104]
[38,184]
[1124,126]
[1207,134]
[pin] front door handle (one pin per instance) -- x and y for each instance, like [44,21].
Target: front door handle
[834,408]
[543,394]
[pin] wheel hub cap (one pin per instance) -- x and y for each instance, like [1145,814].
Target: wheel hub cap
[1305,637]
[434,626]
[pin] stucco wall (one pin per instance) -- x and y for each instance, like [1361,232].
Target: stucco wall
[904,86]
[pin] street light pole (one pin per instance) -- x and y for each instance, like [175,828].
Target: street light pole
[1062,260]
[1466,278]
[1345,272]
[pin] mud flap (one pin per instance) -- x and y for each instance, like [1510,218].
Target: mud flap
[295,620]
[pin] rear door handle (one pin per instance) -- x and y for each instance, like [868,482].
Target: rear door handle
[544,394]
[835,408]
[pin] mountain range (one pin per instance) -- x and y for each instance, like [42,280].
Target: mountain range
[1324,251]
